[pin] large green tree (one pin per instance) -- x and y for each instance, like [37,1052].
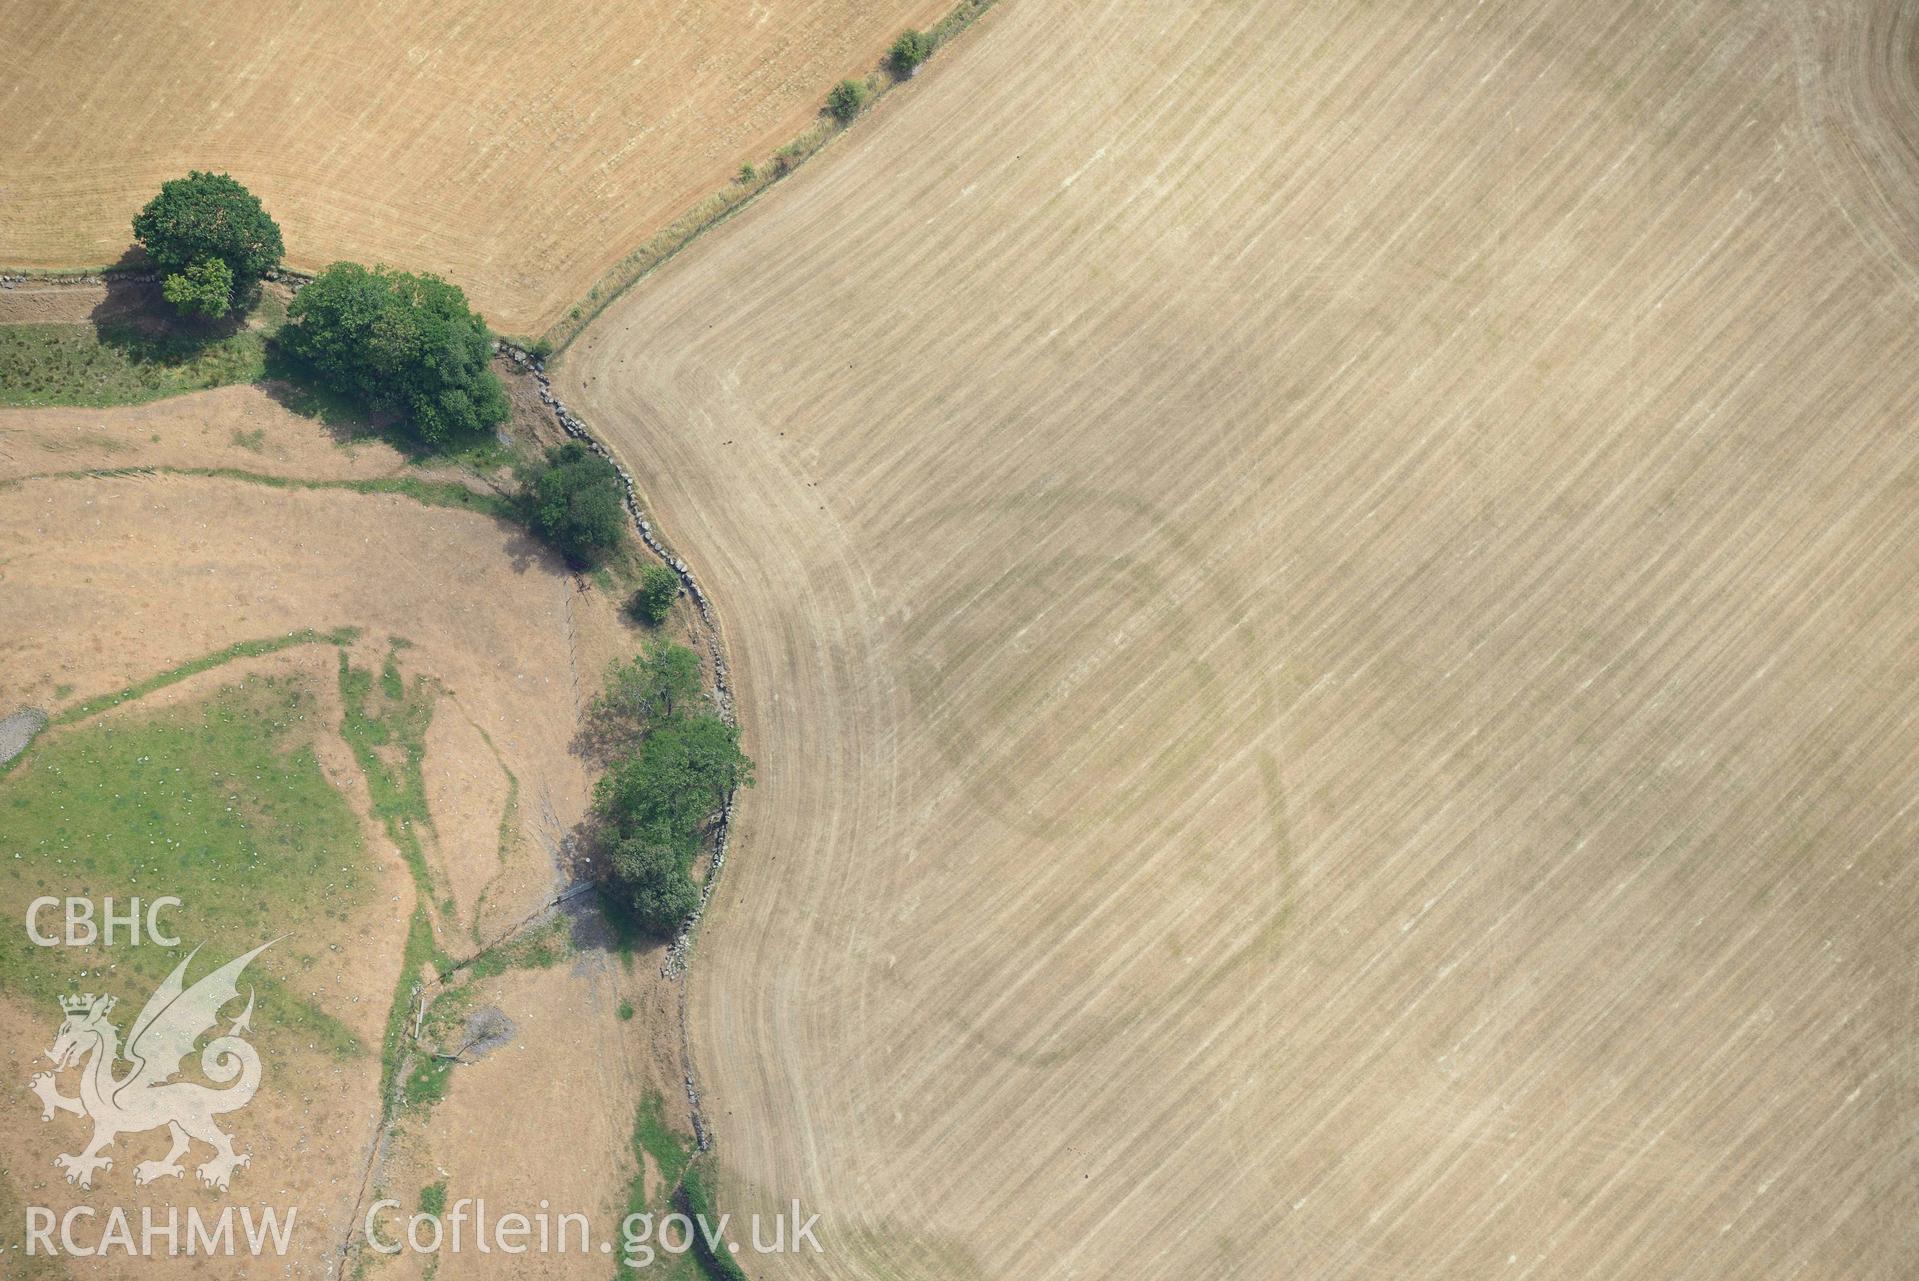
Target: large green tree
[912,48]
[677,780]
[651,872]
[676,763]
[653,602]
[655,687]
[205,218]
[576,505]
[402,343]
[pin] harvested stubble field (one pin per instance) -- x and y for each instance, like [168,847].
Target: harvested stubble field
[1325,598]
[517,151]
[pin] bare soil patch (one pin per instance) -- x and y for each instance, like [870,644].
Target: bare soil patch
[62,304]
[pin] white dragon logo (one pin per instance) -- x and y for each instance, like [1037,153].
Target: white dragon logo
[173,1018]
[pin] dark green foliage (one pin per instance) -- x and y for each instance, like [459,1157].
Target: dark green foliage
[205,289]
[847,100]
[402,343]
[911,49]
[574,503]
[659,893]
[674,765]
[677,780]
[658,685]
[653,602]
[209,217]
[696,1199]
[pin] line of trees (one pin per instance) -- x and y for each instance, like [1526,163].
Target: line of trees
[392,341]
[673,763]
[408,344]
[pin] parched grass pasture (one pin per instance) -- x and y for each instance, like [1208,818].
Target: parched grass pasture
[295,682]
[518,153]
[122,344]
[1325,598]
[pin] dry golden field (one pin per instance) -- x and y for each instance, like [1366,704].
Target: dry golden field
[1326,599]
[519,151]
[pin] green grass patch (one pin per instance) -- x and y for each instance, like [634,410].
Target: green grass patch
[433,1202]
[669,1149]
[433,1199]
[430,1077]
[221,803]
[121,364]
[206,662]
[696,1199]
[427,1083]
[428,493]
[385,725]
[509,826]
[671,1152]
[420,950]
